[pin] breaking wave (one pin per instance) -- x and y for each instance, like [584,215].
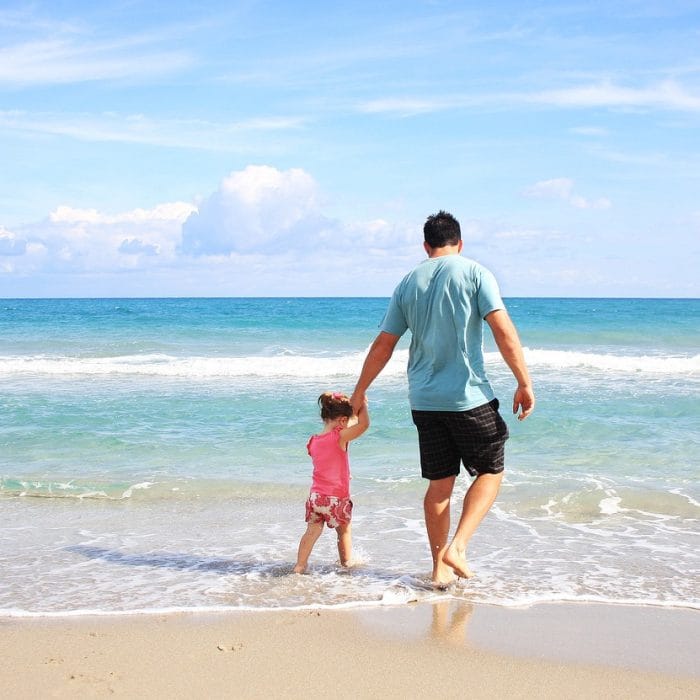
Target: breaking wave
[303,366]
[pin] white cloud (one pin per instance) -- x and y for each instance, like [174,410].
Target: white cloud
[562,188]
[134,246]
[173,211]
[65,59]
[269,231]
[264,230]
[666,95]
[281,213]
[10,244]
[406,106]
[110,127]
[255,209]
[79,241]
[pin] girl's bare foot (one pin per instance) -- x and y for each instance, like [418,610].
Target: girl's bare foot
[299,569]
[457,562]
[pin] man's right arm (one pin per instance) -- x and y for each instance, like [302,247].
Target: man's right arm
[508,343]
[379,354]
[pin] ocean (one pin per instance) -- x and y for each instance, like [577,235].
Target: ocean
[152,458]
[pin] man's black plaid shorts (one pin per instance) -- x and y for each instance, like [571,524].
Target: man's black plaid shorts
[475,438]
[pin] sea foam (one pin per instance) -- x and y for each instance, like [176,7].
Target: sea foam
[309,366]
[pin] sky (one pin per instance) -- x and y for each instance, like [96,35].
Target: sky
[278,148]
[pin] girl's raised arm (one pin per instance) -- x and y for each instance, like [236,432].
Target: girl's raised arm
[354,431]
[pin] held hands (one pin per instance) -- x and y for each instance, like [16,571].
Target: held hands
[359,421]
[358,403]
[524,399]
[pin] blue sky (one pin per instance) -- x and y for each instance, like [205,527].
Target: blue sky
[296,148]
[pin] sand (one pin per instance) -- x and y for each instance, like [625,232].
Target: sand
[437,650]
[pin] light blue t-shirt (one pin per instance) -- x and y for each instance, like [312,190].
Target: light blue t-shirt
[443,301]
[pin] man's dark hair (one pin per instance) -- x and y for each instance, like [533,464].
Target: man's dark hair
[442,229]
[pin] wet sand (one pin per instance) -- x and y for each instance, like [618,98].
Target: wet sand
[448,649]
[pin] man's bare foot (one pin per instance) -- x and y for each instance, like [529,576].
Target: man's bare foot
[299,569]
[457,562]
[442,577]
[443,585]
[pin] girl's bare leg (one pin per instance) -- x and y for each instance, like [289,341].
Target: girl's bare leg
[308,540]
[345,544]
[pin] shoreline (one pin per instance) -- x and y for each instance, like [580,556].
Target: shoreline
[448,647]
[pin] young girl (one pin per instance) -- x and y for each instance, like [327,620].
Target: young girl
[329,500]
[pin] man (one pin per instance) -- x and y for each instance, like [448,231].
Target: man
[444,302]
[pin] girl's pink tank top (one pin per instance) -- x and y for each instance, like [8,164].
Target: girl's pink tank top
[331,475]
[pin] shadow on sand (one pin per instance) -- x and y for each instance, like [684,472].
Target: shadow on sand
[183,562]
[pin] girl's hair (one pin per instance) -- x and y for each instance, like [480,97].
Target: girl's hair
[334,405]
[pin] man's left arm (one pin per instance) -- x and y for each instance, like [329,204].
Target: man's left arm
[508,342]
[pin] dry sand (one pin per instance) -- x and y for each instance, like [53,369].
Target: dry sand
[442,650]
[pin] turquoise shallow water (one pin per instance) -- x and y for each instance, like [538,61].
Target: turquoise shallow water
[152,457]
